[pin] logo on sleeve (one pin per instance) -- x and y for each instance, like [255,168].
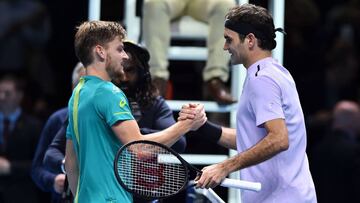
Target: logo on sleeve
[122,103]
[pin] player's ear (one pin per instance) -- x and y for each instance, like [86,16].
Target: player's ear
[100,52]
[251,39]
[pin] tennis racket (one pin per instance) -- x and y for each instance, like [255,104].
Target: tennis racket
[152,170]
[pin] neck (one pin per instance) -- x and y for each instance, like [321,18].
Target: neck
[256,56]
[97,69]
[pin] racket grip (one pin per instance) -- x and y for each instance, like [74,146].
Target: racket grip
[241,184]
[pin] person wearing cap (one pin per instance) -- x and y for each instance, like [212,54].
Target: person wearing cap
[149,108]
[270,134]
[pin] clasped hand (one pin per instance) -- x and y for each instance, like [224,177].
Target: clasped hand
[194,112]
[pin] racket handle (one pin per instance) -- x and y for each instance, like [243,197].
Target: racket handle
[241,184]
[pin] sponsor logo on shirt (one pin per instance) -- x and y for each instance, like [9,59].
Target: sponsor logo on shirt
[122,103]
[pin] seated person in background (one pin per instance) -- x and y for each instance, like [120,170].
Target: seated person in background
[19,134]
[47,180]
[157,15]
[150,110]
[334,161]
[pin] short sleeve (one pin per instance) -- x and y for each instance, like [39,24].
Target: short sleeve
[69,130]
[69,134]
[112,105]
[266,100]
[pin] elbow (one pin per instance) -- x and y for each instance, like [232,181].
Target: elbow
[284,146]
[279,142]
[284,142]
[46,161]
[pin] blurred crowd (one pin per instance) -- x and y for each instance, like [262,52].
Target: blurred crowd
[321,51]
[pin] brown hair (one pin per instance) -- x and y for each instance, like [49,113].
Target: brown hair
[257,17]
[92,33]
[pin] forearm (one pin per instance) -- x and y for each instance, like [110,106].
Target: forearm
[71,167]
[228,138]
[42,178]
[72,177]
[128,130]
[53,160]
[262,151]
[171,134]
[179,145]
[223,136]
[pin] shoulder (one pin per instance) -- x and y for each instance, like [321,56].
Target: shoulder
[158,109]
[264,85]
[59,114]
[107,93]
[267,74]
[263,82]
[160,104]
[159,100]
[108,89]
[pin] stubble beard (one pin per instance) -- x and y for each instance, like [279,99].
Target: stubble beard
[112,70]
[234,60]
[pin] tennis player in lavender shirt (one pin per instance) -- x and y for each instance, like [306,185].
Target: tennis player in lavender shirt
[270,135]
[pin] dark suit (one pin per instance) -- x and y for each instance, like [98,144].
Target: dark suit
[43,177]
[334,164]
[21,145]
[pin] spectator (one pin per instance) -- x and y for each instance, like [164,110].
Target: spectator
[335,160]
[157,15]
[18,137]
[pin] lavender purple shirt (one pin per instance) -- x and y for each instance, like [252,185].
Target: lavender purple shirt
[270,93]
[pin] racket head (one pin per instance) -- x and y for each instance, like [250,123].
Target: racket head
[150,170]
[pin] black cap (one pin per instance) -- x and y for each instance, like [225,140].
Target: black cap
[139,49]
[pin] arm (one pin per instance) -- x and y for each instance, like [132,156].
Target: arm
[128,130]
[223,136]
[273,143]
[228,138]
[179,145]
[54,155]
[71,166]
[43,178]
[162,117]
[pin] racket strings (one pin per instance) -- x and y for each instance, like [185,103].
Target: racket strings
[144,172]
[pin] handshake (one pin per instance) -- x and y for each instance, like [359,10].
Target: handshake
[192,115]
